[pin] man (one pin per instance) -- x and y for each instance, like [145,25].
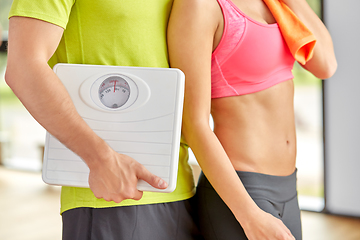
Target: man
[123,33]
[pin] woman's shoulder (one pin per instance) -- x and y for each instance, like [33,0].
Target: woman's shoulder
[199,6]
[200,11]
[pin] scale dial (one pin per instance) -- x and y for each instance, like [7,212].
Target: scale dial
[114,92]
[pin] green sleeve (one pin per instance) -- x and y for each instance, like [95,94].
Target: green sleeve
[53,11]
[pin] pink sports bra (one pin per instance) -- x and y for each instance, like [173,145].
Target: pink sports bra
[250,57]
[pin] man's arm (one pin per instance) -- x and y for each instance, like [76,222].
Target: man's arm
[32,42]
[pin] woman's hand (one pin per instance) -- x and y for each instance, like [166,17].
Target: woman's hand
[323,63]
[264,226]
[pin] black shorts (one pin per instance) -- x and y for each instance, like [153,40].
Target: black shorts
[163,221]
[276,195]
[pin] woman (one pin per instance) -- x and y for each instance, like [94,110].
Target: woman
[238,68]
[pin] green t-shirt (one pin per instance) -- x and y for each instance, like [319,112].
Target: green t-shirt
[110,32]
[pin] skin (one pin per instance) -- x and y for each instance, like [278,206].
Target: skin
[253,132]
[32,42]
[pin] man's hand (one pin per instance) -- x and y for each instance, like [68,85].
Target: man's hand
[116,178]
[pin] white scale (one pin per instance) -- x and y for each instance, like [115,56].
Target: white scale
[136,110]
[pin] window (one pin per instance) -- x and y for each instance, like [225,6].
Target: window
[4,12]
[309,124]
[21,137]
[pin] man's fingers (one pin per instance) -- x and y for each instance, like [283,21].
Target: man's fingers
[150,178]
[138,195]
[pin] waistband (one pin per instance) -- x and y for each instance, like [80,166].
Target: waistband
[264,186]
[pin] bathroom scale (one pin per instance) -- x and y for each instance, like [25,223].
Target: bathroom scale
[136,110]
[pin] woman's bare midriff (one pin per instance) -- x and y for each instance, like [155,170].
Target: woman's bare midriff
[258,130]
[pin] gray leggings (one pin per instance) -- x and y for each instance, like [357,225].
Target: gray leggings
[276,195]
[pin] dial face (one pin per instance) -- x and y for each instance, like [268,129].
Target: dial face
[114,92]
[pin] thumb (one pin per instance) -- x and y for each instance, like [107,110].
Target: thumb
[152,179]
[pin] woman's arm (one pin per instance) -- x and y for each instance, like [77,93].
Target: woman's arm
[192,26]
[31,44]
[323,63]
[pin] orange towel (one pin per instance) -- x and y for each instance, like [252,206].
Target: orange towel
[297,36]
